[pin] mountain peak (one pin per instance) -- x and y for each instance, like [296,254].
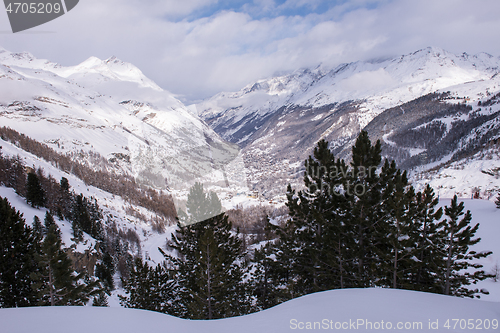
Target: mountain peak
[113,59]
[90,63]
[432,50]
[115,68]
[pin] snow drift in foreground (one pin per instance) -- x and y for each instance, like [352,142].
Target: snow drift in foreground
[348,309]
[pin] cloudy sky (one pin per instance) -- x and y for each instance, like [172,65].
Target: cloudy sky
[196,48]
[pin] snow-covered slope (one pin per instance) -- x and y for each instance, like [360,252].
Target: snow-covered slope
[108,107]
[339,310]
[114,208]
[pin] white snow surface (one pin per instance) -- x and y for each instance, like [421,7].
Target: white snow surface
[354,309]
[463,176]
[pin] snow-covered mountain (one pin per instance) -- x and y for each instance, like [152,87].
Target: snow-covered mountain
[111,108]
[277,121]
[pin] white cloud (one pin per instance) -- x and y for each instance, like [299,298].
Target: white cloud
[367,80]
[198,57]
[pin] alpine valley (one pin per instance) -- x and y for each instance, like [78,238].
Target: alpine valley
[436,114]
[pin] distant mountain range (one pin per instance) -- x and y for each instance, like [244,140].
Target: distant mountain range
[428,108]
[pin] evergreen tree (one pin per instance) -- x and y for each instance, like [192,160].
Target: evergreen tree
[457,236]
[64,200]
[77,232]
[428,257]
[397,230]
[17,176]
[497,201]
[366,211]
[38,228]
[34,192]
[208,271]
[314,242]
[105,271]
[280,256]
[200,205]
[64,183]
[80,219]
[269,282]
[147,288]
[3,168]
[18,247]
[86,217]
[48,222]
[100,300]
[56,281]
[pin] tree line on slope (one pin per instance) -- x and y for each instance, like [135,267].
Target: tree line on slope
[34,268]
[112,251]
[353,226]
[121,185]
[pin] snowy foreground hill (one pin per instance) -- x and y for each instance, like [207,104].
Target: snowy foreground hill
[339,310]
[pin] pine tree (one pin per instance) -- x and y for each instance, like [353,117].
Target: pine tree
[497,201]
[200,205]
[56,280]
[208,271]
[64,200]
[269,282]
[18,247]
[364,190]
[17,176]
[100,300]
[105,271]
[48,222]
[80,219]
[284,251]
[3,168]
[428,257]
[86,217]
[397,230]
[148,288]
[314,241]
[34,192]
[38,228]
[457,237]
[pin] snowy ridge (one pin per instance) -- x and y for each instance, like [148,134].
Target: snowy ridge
[357,309]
